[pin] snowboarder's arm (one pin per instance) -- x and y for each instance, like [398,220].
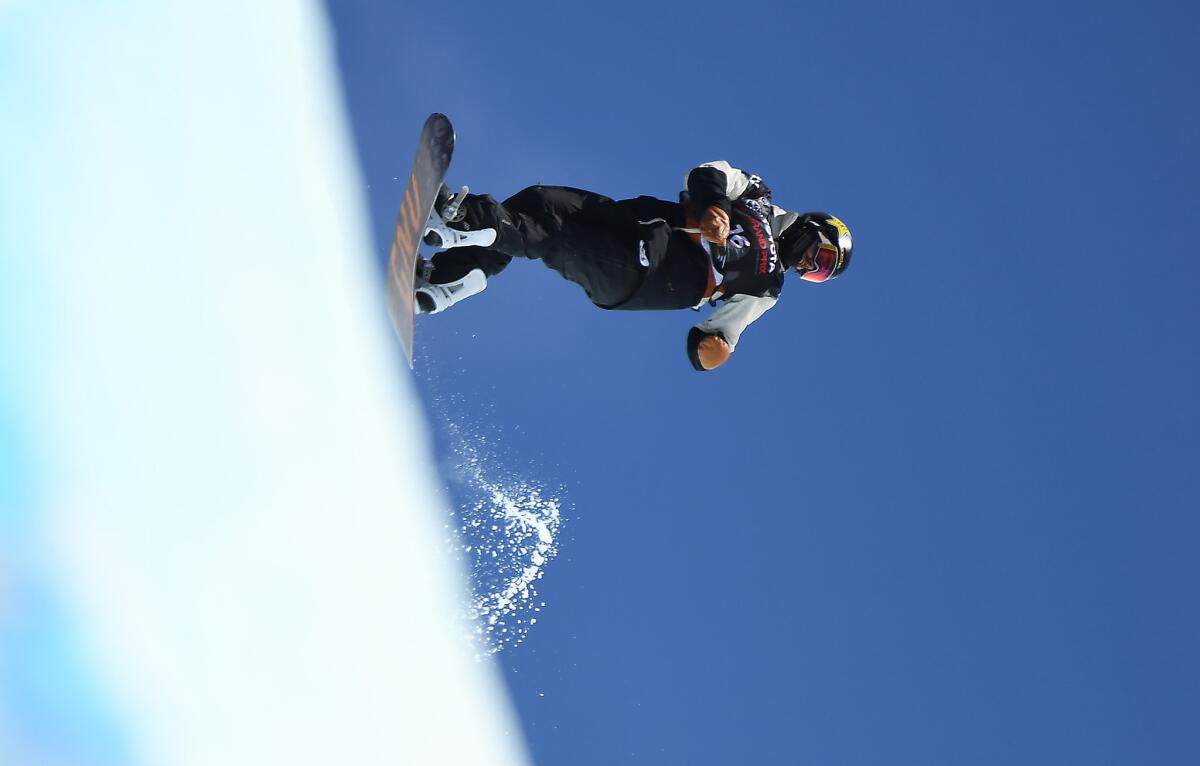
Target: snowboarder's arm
[725,326]
[719,183]
[711,189]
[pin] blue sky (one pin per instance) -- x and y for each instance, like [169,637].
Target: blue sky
[942,510]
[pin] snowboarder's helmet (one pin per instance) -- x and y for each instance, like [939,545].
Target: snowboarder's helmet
[818,246]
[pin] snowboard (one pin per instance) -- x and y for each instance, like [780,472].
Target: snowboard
[434,150]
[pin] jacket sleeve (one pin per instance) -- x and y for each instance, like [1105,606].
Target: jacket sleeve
[719,183]
[729,321]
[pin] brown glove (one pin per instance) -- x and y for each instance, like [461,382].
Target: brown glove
[713,351]
[715,225]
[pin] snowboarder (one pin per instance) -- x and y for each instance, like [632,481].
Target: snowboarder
[722,242]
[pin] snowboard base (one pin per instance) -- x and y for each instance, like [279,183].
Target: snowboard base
[434,150]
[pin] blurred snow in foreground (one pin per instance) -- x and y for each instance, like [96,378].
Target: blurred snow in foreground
[218,540]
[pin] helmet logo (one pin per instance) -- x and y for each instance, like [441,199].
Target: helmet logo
[844,240]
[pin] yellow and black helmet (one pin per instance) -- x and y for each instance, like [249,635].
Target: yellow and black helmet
[818,246]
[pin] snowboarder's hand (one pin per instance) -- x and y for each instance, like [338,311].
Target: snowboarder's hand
[713,351]
[715,226]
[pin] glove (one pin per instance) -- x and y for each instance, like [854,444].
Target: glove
[715,225]
[707,351]
[713,352]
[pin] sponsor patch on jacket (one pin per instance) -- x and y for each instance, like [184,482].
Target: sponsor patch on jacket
[752,239]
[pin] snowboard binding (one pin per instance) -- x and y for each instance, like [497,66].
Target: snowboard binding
[448,209]
[434,298]
[451,205]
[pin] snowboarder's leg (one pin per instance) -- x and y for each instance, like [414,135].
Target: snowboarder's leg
[528,220]
[587,238]
[462,269]
[449,265]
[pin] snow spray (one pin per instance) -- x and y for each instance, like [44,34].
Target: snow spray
[505,526]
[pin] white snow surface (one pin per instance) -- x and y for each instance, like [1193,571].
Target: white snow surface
[220,542]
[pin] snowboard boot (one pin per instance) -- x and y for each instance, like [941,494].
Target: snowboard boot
[434,298]
[448,209]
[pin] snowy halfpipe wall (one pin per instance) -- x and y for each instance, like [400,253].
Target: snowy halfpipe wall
[219,542]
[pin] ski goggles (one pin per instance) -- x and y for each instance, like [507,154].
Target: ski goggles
[824,262]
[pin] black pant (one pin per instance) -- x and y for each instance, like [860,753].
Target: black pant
[588,238]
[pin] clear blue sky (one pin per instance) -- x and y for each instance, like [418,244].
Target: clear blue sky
[983,550]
